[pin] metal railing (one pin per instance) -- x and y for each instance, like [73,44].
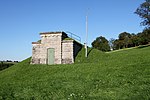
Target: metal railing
[73,36]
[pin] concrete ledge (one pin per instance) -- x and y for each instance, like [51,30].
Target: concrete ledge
[36,43]
[66,41]
[42,33]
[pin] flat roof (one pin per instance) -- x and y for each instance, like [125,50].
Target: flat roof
[52,33]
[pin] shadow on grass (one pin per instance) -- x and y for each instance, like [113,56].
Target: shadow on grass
[143,46]
[5,65]
[89,51]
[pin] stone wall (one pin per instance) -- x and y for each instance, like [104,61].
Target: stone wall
[48,40]
[51,41]
[70,49]
[35,53]
[67,52]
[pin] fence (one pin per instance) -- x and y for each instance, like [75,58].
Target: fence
[73,36]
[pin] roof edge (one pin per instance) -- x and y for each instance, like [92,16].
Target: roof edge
[52,33]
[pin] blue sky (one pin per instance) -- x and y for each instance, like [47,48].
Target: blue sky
[21,21]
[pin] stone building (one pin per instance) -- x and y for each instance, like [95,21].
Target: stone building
[54,48]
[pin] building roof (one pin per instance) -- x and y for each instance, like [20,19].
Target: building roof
[36,43]
[52,33]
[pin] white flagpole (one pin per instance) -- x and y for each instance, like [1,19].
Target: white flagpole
[86,35]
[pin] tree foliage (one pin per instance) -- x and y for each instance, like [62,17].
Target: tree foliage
[101,43]
[144,12]
[127,40]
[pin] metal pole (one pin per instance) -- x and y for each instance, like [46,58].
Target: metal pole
[86,35]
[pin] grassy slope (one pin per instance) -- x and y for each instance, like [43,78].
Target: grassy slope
[117,75]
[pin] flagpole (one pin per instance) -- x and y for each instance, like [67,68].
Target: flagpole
[86,36]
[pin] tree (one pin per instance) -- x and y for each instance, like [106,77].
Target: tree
[124,38]
[127,40]
[146,33]
[144,12]
[144,37]
[135,40]
[117,44]
[101,43]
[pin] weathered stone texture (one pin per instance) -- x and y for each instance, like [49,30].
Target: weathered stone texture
[52,41]
[67,52]
[35,53]
[64,50]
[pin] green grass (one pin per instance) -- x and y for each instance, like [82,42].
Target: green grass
[68,38]
[118,75]
[4,65]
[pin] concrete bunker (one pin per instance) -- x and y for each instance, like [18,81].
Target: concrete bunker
[54,48]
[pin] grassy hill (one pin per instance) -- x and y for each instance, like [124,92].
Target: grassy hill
[109,76]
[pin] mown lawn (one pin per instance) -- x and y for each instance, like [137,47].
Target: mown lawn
[4,65]
[102,76]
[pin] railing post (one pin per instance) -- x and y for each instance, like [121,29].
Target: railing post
[73,36]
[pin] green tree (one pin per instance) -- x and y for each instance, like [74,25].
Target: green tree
[101,43]
[124,38]
[144,12]
[135,40]
[146,33]
[117,44]
[144,37]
